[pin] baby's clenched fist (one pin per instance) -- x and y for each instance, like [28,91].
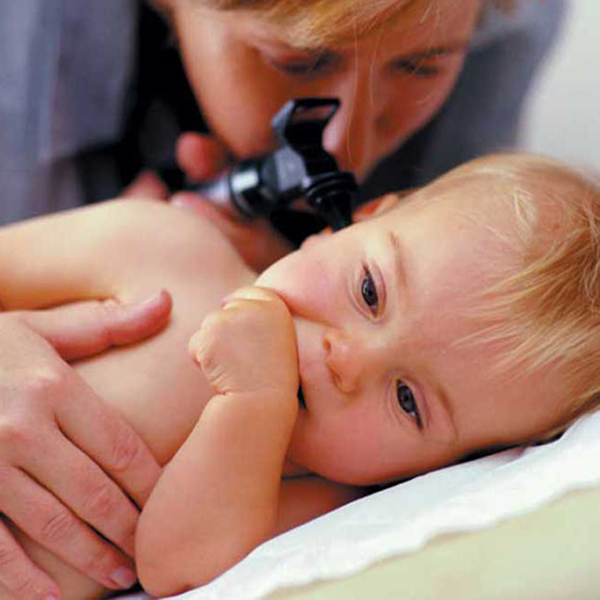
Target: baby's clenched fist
[249,345]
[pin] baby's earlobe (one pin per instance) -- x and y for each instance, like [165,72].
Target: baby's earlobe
[386,203]
[375,207]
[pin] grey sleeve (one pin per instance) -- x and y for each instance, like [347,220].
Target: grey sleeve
[64,68]
[483,113]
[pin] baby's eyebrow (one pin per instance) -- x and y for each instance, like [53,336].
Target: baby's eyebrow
[399,263]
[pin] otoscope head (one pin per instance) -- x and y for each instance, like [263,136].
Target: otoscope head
[299,168]
[300,125]
[332,196]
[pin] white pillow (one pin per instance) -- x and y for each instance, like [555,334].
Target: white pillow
[405,517]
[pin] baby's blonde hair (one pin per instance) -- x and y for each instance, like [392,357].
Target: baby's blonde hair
[547,309]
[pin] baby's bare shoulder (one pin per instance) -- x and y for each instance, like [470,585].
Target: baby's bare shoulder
[147,222]
[147,237]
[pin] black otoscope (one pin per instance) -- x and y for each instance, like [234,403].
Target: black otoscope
[299,168]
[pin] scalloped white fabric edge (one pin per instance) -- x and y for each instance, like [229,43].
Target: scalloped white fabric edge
[402,519]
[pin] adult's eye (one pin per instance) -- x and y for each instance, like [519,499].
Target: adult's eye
[418,68]
[368,291]
[310,66]
[407,402]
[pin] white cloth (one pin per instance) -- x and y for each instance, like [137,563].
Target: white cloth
[402,519]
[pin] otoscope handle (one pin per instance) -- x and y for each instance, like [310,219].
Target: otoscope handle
[244,191]
[216,192]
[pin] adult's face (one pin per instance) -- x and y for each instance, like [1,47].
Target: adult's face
[391,83]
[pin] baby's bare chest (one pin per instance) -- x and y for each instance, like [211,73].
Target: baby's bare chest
[155,385]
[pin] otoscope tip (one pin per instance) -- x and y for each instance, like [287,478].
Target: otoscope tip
[338,213]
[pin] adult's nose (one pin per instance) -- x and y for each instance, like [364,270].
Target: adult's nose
[347,358]
[351,135]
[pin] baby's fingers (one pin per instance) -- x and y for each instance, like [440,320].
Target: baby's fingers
[251,292]
[248,344]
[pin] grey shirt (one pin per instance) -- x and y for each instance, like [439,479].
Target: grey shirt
[67,68]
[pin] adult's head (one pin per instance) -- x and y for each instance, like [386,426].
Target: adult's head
[392,63]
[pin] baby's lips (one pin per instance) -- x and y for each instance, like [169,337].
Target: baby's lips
[226,300]
[301,397]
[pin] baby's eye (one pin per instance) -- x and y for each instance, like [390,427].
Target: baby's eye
[368,290]
[407,402]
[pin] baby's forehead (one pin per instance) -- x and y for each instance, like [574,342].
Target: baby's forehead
[481,198]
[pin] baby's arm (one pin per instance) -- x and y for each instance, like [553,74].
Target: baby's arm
[113,249]
[219,496]
[55,259]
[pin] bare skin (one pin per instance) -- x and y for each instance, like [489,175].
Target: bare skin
[164,405]
[45,402]
[364,319]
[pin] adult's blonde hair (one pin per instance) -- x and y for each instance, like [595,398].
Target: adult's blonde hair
[546,310]
[313,23]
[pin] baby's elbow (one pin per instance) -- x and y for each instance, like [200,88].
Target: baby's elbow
[168,565]
[183,566]
[158,569]
[158,581]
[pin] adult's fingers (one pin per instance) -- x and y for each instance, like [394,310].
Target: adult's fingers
[84,328]
[200,156]
[226,219]
[146,185]
[19,575]
[91,495]
[44,519]
[99,431]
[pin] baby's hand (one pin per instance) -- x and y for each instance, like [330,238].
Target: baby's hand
[249,345]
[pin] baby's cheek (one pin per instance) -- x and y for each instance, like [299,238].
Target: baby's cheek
[309,286]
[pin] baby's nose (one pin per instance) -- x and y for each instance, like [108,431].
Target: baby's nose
[346,358]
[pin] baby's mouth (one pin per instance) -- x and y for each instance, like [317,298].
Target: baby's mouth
[301,400]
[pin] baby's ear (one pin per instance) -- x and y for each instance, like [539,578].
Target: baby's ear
[375,207]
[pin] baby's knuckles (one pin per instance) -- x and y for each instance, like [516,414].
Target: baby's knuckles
[249,344]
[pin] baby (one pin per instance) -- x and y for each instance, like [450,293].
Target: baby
[462,318]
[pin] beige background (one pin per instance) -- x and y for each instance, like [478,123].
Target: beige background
[563,113]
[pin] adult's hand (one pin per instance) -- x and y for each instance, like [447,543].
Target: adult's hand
[70,466]
[202,157]
[199,156]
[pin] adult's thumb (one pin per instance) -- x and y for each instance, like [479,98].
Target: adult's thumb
[85,328]
[146,185]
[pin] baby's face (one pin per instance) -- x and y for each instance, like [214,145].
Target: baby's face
[379,310]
